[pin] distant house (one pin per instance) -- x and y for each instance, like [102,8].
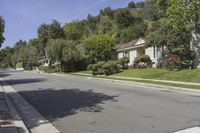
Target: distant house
[136,48]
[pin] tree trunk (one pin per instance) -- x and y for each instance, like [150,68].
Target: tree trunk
[196,48]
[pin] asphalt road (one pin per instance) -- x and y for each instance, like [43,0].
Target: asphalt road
[84,105]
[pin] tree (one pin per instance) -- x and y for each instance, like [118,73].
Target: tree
[43,33]
[166,36]
[123,18]
[2,26]
[107,12]
[91,23]
[131,5]
[140,4]
[150,11]
[130,33]
[54,50]
[75,31]
[162,6]
[55,30]
[72,58]
[98,47]
[106,25]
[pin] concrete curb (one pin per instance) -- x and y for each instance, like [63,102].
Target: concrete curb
[17,120]
[34,121]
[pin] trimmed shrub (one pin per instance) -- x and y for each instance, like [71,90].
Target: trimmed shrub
[100,65]
[94,69]
[89,67]
[49,69]
[143,58]
[111,67]
[123,62]
[106,68]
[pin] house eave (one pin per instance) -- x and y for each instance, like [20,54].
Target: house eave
[130,48]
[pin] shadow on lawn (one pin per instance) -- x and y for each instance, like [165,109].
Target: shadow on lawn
[54,104]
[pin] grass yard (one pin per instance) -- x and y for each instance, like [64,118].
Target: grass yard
[151,73]
[184,75]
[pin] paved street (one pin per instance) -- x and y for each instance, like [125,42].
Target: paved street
[84,105]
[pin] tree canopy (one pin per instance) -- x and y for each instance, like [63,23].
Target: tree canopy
[2,26]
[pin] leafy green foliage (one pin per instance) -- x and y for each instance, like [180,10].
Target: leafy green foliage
[150,11]
[107,12]
[143,58]
[131,4]
[106,26]
[2,26]
[98,47]
[130,33]
[123,62]
[123,18]
[75,31]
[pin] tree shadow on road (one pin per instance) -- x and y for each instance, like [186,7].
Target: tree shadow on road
[24,81]
[4,74]
[54,104]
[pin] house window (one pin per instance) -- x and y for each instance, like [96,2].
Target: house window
[126,54]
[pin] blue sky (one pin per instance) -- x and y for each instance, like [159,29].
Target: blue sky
[23,17]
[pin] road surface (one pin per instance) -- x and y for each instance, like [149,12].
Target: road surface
[84,105]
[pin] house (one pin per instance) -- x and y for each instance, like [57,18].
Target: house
[137,48]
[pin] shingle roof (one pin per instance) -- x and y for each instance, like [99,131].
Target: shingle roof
[126,45]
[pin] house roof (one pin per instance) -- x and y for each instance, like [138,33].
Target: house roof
[132,44]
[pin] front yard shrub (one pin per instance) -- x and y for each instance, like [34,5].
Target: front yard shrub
[106,68]
[142,61]
[89,67]
[173,62]
[186,57]
[49,69]
[94,69]
[111,67]
[100,65]
[123,62]
[143,58]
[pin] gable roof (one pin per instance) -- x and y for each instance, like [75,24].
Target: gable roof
[131,44]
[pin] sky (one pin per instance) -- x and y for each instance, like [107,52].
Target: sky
[23,17]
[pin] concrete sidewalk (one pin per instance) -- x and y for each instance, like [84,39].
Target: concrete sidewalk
[10,120]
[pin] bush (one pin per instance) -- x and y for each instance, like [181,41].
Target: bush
[123,62]
[21,65]
[94,69]
[100,65]
[106,68]
[49,69]
[89,67]
[143,58]
[142,61]
[111,67]
[186,57]
[172,62]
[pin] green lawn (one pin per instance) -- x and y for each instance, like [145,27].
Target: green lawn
[150,73]
[141,81]
[184,75]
